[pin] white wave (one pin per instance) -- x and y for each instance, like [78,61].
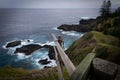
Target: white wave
[47,43]
[23,42]
[4,46]
[26,41]
[85,17]
[50,43]
[71,33]
[11,51]
[21,56]
[52,64]
[42,55]
[40,66]
[36,64]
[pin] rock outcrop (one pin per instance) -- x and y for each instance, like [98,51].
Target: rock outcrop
[78,28]
[13,44]
[83,26]
[51,53]
[44,61]
[86,21]
[103,70]
[28,49]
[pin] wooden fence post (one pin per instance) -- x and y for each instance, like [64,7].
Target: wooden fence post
[67,62]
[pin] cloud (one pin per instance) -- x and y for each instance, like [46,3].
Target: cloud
[53,3]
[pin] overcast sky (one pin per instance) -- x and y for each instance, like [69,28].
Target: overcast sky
[54,3]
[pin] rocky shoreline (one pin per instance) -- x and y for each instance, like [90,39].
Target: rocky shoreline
[30,48]
[83,26]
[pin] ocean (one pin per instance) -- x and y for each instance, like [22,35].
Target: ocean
[37,25]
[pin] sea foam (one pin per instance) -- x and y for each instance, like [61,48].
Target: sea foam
[71,33]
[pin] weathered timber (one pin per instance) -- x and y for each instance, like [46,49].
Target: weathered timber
[67,62]
[83,68]
[60,76]
[103,70]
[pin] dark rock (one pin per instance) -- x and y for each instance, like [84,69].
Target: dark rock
[44,61]
[86,21]
[46,46]
[47,67]
[83,26]
[78,28]
[51,53]
[28,49]
[103,70]
[13,44]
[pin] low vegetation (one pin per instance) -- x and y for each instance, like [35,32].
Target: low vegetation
[107,47]
[9,73]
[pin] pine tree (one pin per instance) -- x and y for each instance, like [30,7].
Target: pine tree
[108,6]
[105,9]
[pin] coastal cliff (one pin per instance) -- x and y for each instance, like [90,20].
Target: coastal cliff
[83,26]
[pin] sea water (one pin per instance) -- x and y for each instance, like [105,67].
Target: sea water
[36,25]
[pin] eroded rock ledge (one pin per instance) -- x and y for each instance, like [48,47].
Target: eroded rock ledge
[83,26]
[13,43]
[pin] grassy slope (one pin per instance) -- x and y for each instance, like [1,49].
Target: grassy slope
[21,74]
[9,73]
[106,47]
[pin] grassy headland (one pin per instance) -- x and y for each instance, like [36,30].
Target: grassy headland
[107,47]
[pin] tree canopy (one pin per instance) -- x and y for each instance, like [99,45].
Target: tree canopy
[105,8]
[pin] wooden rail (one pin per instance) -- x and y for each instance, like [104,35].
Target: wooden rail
[60,76]
[82,70]
[67,62]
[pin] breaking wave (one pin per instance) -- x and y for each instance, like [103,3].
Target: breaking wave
[71,33]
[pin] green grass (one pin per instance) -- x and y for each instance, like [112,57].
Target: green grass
[109,52]
[21,74]
[106,47]
[9,73]
[105,39]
